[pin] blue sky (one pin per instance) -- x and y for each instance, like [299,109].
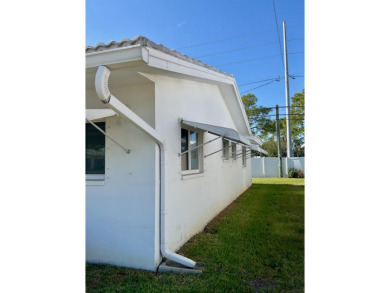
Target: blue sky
[224,25]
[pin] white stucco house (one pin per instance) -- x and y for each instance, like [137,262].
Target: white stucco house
[167,144]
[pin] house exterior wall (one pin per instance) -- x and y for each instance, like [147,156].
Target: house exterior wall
[193,200]
[122,215]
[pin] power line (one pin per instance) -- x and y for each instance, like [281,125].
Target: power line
[240,49]
[236,50]
[293,119]
[234,37]
[252,82]
[248,60]
[271,109]
[285,106]
[277,27]
[284,114]
[296,53]
[227,39]
[271,78]
[292,84]
[261,86]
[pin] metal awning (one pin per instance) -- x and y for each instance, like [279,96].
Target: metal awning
[227,133]
[259,149]
[255,140]
[95,114]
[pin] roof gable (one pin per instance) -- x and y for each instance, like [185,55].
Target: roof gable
[141,50]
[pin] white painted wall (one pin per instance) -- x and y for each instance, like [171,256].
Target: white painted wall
[122,215]
[194,200]
[268,167]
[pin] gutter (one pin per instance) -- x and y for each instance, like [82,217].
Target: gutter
[104,94]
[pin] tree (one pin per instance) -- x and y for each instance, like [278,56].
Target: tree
[265,128]
[298,123]
[271,147]
[258,120]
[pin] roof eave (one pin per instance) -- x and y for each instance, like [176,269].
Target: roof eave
[116,56]
[154,58]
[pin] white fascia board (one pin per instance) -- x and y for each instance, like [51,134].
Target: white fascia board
[168,62]
[116,56]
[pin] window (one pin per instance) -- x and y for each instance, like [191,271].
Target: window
[225,146]
[95,148]
[234,150]
[190,161]
[244,156]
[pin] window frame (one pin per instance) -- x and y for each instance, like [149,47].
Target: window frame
[97,178]
[225,149]
[234,150]
[199,151]
[243,156]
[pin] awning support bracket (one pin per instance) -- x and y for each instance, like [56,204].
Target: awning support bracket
[198,146]
[97,127]
[218,151]
[241,154]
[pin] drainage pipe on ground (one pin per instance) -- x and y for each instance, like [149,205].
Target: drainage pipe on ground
[103,92]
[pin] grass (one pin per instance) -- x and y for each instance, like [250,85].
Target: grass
[255,245]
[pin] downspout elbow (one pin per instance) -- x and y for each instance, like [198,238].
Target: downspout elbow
[101,84]
[177,257]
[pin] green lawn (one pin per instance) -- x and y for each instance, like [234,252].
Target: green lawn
[255,245]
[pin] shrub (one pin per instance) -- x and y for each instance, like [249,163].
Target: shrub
[300,174]
[292,173]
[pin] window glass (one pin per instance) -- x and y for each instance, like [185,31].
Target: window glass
[95,148]
[184,147]
[244,156]
[225,146]
[234,150]
[194,153]
[190,161]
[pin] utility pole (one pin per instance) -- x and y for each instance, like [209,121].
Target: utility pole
[288,122]
[280,168]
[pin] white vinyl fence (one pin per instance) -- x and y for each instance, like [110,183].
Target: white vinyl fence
[268,167]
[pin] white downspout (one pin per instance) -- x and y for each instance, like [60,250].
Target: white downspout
[103,92]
